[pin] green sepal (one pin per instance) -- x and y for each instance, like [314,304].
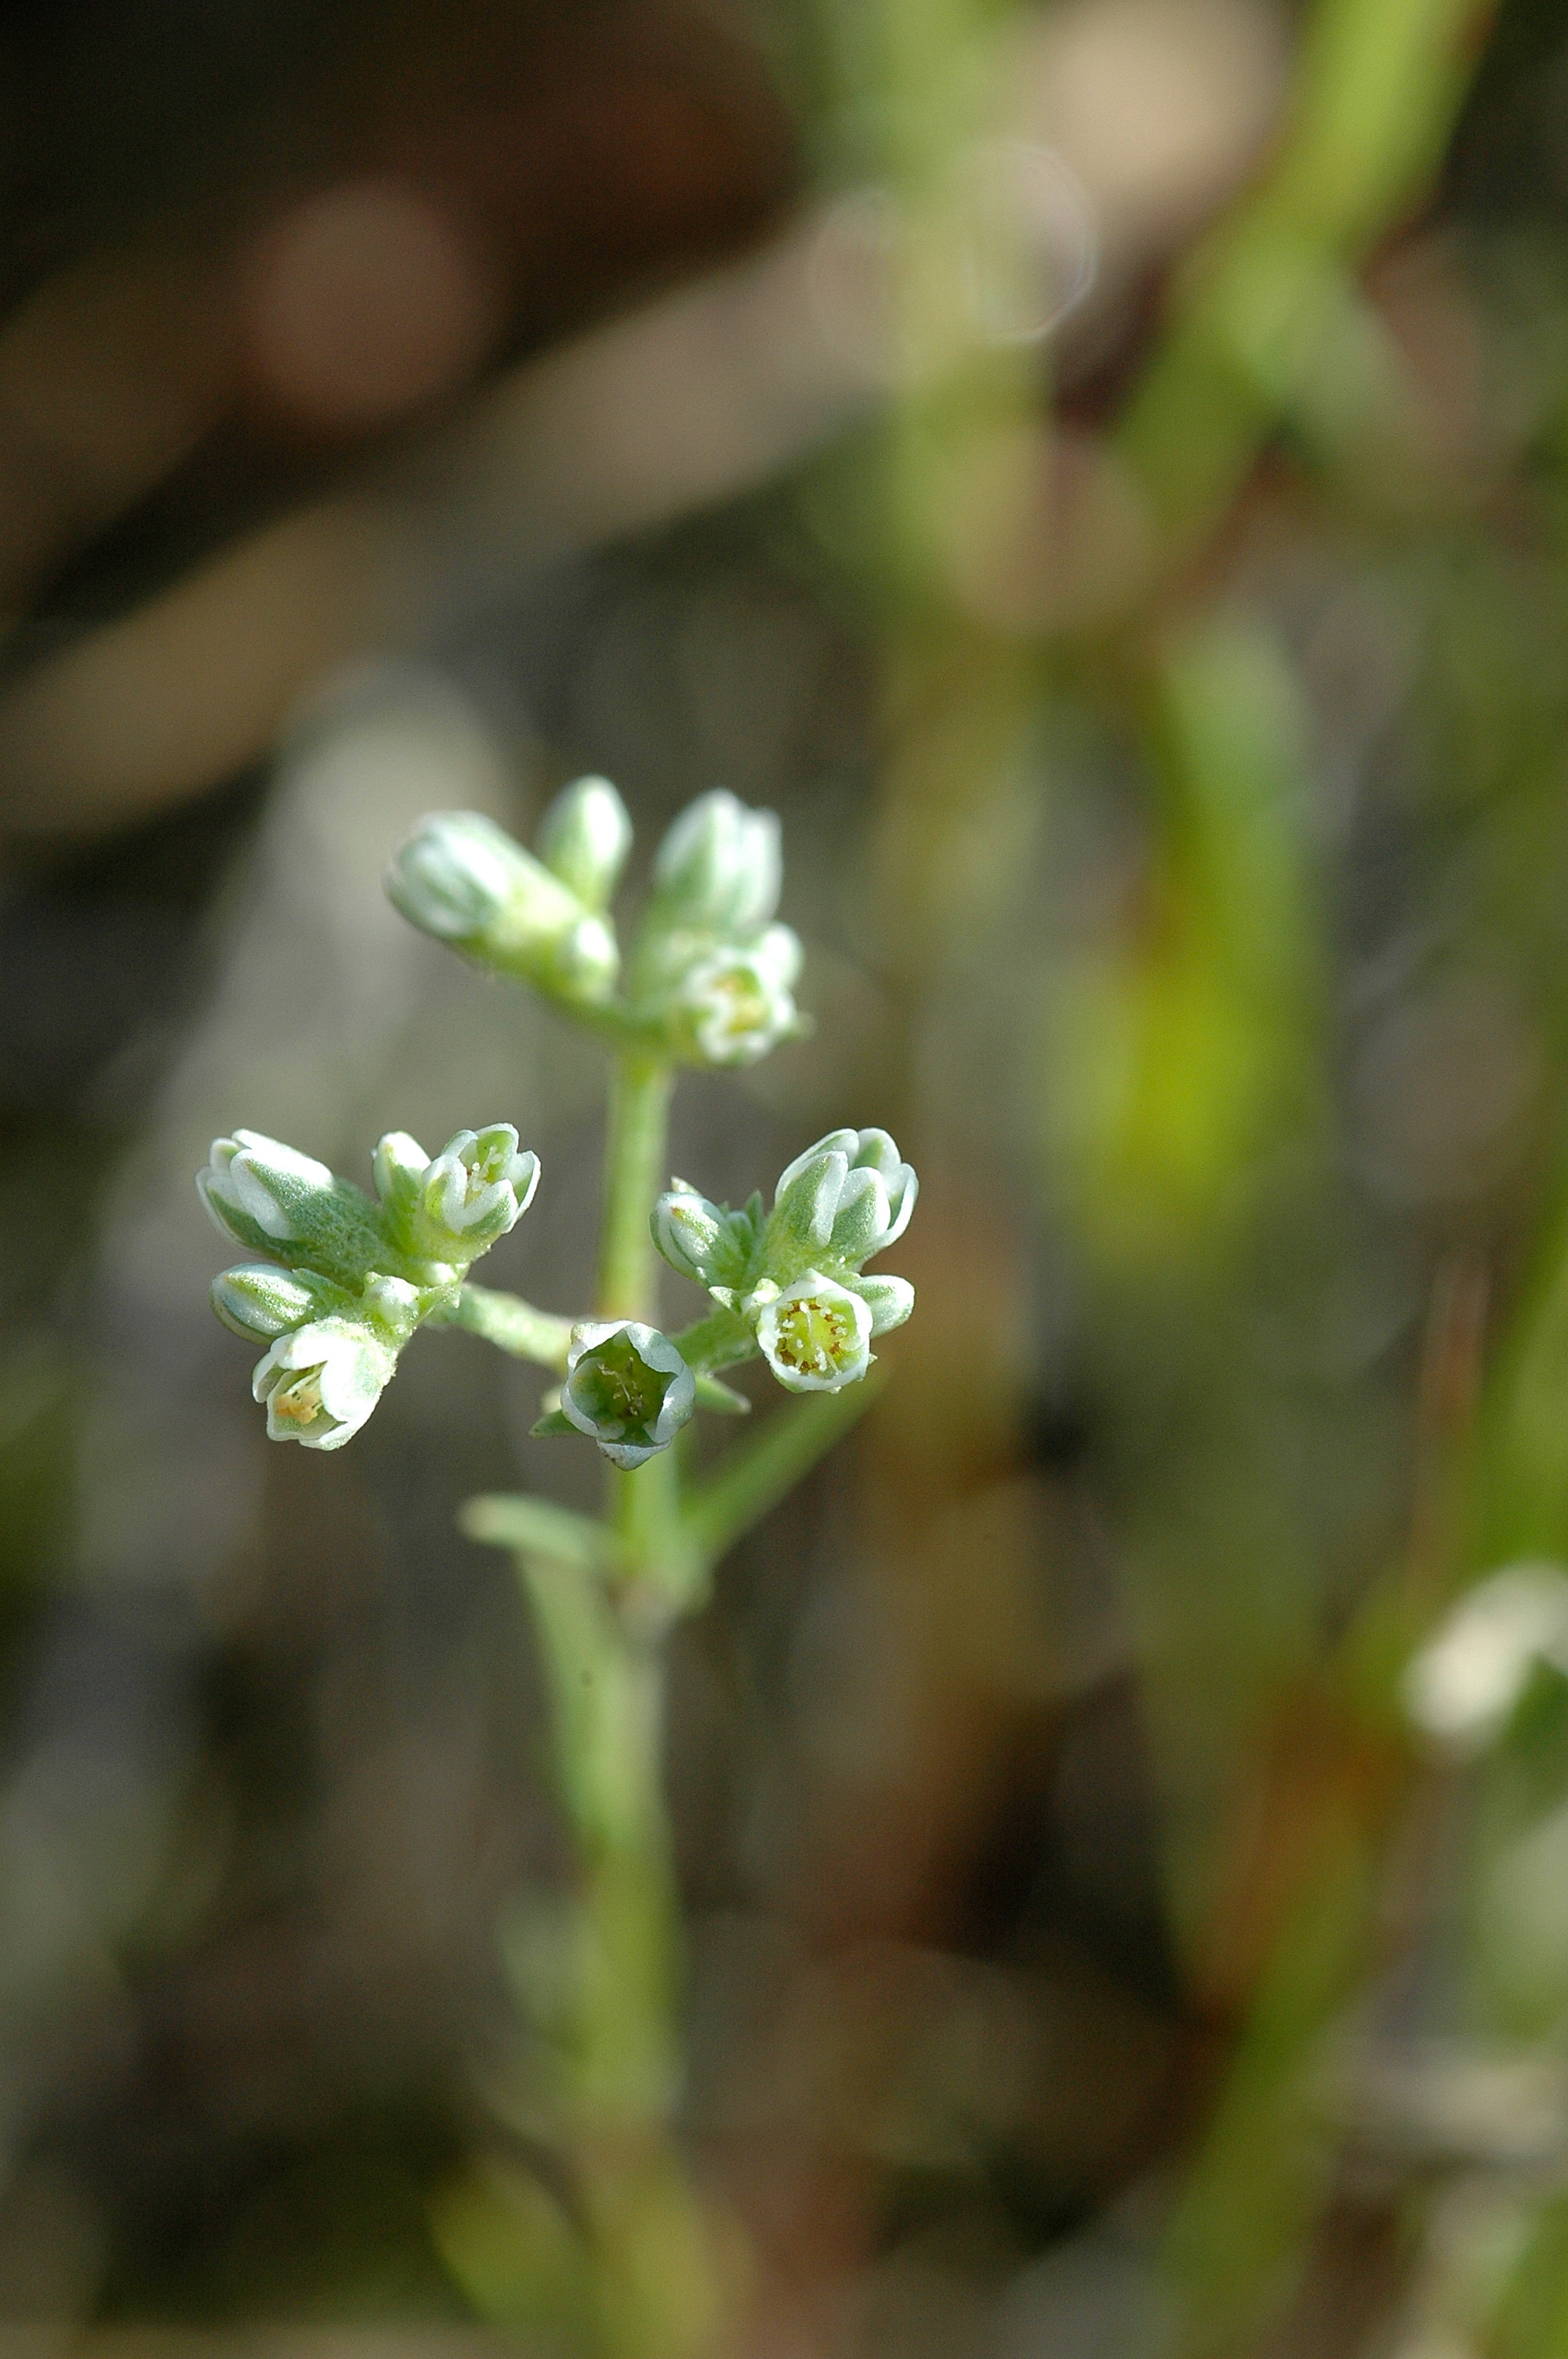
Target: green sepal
[552,1422]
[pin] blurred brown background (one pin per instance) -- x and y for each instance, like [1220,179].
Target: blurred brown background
[1098,472]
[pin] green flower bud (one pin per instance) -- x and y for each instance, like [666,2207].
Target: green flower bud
[321,1381]
[816,1336]
[260,1302]
[399,1164]
[628,1387]
[706,1242]
[463,879]
[274,1200]
[718,869]
[848,1197]
[584,839]
[687,1230]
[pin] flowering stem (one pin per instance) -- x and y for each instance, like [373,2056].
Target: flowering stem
[633,1174]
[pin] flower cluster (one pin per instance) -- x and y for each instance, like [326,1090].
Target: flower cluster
[711,973]
[357,1275]
[712,970]
[463,879]
[794,1277]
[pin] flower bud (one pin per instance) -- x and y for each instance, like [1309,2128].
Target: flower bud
[321,1381]
[477,1189]
[688,1231]
[806,1200]
[463,879]
[889,1299]
[815,1336]
[584,839]
[274,1200]
[718,869]
[850,1197]
[398,1165]
[260,1302]
[707,1241]
[628,1389]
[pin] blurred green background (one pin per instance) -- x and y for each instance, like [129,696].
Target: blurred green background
[1101,472]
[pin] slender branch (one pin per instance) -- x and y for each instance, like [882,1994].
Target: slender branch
[720,1340]
[514,1326]
[757,1475]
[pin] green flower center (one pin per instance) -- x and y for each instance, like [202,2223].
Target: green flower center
[816,1338]
[614,1385]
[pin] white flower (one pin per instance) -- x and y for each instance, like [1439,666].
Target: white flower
[815,1336]
[732,1006]
[627,1387]
[321,1381]
[584,839]
[477,1189]
[718,868]
[1465,1680]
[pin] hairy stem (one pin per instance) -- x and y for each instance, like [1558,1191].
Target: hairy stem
[514,1326]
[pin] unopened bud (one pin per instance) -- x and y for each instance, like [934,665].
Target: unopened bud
[584,839]
[718,869]
[261,1301]
[463,879]
[275,1201]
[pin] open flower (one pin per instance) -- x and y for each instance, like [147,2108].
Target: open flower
[628,1389]
[733,1005]
[817,1335]
[321,1381]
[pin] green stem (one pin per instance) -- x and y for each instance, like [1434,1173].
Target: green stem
[720,1340]
[634,1152]
[514,1326]
[761,1472]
